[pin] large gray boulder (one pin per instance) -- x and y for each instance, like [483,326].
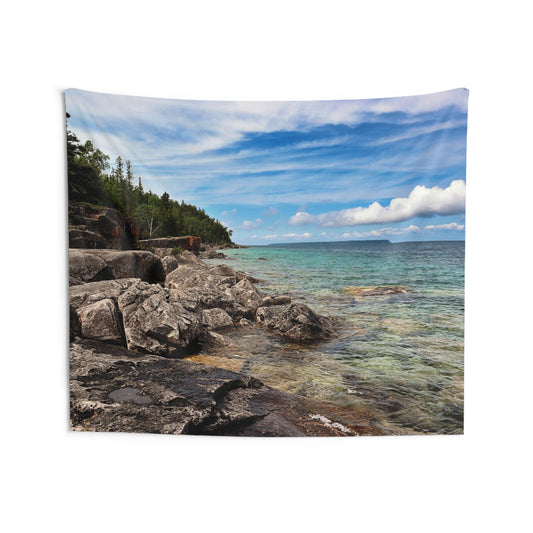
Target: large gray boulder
[220,286]
[203,288]
[297,322]
[154,324]
[93,309]
[246,294]
[96,265]
[100,320]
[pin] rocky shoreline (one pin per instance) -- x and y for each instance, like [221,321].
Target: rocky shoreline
[134,315]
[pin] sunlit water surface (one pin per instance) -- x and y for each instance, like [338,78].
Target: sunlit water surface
[399,356]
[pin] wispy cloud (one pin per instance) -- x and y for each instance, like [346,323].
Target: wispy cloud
[253,164]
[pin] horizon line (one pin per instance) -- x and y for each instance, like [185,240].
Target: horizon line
[386,241]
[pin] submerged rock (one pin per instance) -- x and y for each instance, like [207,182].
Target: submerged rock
[377,291]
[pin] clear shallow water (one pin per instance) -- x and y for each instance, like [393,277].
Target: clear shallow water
[399,356]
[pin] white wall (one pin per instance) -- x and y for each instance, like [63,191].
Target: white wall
[54,480]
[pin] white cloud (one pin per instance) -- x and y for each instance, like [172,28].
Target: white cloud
[290,235]
[306,235]
[271,211]
[422,202]
[451,226]
[269,237]
[383,232]
[230,212]
[196,127]
[251,224]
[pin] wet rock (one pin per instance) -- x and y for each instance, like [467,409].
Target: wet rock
[214,319]
[298,323]
[377,291]
[113,389]
[244,275]
[153,324]
[267,316]
[281,299]
[212,339]
[129,394]
[96,265]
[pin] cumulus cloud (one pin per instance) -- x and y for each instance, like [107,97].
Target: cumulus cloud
[229,212]
[422,202]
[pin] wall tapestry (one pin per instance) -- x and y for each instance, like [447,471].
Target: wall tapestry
[266,268]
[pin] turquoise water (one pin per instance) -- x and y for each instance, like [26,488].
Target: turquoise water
[399,356]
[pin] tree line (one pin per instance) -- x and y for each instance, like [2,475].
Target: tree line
[92,179]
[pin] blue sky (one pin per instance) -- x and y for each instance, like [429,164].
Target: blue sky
[390,168]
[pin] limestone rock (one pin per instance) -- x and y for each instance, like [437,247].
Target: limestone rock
[245,294]
[214,319]
[100,320]
[169,263]
[153,324]
[297,322]
[188,258]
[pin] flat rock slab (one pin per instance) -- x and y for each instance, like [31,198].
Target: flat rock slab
[113,389]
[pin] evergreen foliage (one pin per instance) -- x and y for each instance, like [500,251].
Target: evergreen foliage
[91,179]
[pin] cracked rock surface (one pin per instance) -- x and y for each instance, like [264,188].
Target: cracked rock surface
[113,389]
